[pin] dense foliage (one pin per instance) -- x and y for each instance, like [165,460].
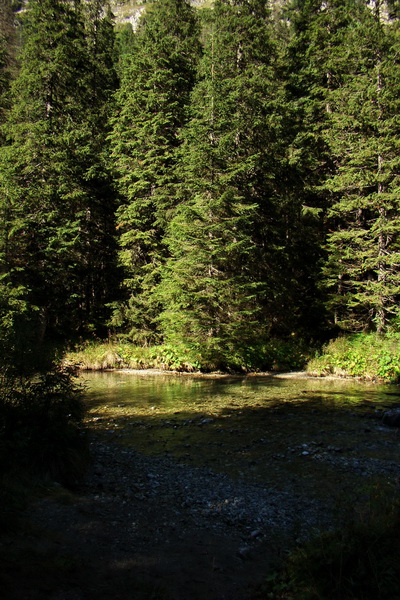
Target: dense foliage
[41,408]
[360,355]
[40,427]
[217,182]
[57,206]
[157,76]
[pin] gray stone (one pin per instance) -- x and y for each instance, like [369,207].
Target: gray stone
[392,418]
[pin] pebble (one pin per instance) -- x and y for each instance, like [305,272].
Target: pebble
[210,500]
[213,502]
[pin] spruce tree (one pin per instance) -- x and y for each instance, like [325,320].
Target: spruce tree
[98,274]
[324,51]
[4,202]
[156,80]
[8,43]
[3,78]
[362,270]
[224,231]
[52,173]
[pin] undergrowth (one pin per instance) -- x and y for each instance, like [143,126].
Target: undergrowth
[41,435]
[41,410]
[369,356]
[358,561]
[271,355]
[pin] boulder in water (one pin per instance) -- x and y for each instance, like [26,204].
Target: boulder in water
[392,418]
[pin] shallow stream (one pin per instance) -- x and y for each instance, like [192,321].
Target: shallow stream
[141,390]
[290,432]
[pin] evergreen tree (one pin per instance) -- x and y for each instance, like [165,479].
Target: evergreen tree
[317,58]
[8,37]
[156,80]
[3,77]
[364,254]
[223,236]
[98,275]
[52,173]
[325,50]
[5,12]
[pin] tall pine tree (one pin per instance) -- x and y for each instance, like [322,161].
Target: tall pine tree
[8,45]
[362,270]
[98,274]
[3,78]
[223,236]
[324,51]
[52,173]
[156,81]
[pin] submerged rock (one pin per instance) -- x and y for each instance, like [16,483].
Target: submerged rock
[392,418]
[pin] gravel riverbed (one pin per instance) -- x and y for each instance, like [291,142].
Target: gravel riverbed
[157,528]
[198,508]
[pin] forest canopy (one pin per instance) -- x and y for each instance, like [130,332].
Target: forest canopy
[211,180]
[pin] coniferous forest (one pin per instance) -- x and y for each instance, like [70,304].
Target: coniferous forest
[215,188]
[215,179]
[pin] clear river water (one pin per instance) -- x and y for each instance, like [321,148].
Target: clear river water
[140,391]
[286,431]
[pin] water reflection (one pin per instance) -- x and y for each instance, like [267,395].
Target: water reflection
[296,433]
[183,392]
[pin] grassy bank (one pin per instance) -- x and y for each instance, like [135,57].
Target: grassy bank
[368,356]
[274,355]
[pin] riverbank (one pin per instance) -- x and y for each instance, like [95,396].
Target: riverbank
[273,355]
[203,517]
[302,375]
[370,357]
[152,528]
[149,527]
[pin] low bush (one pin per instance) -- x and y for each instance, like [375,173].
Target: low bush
[271,355]
[289,354]
[41,426]
[369,356]
[41,409]
[359,561]
[97,356]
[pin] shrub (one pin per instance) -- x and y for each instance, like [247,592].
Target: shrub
[41,426]
[273,354]
[360,561]
[368,356]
